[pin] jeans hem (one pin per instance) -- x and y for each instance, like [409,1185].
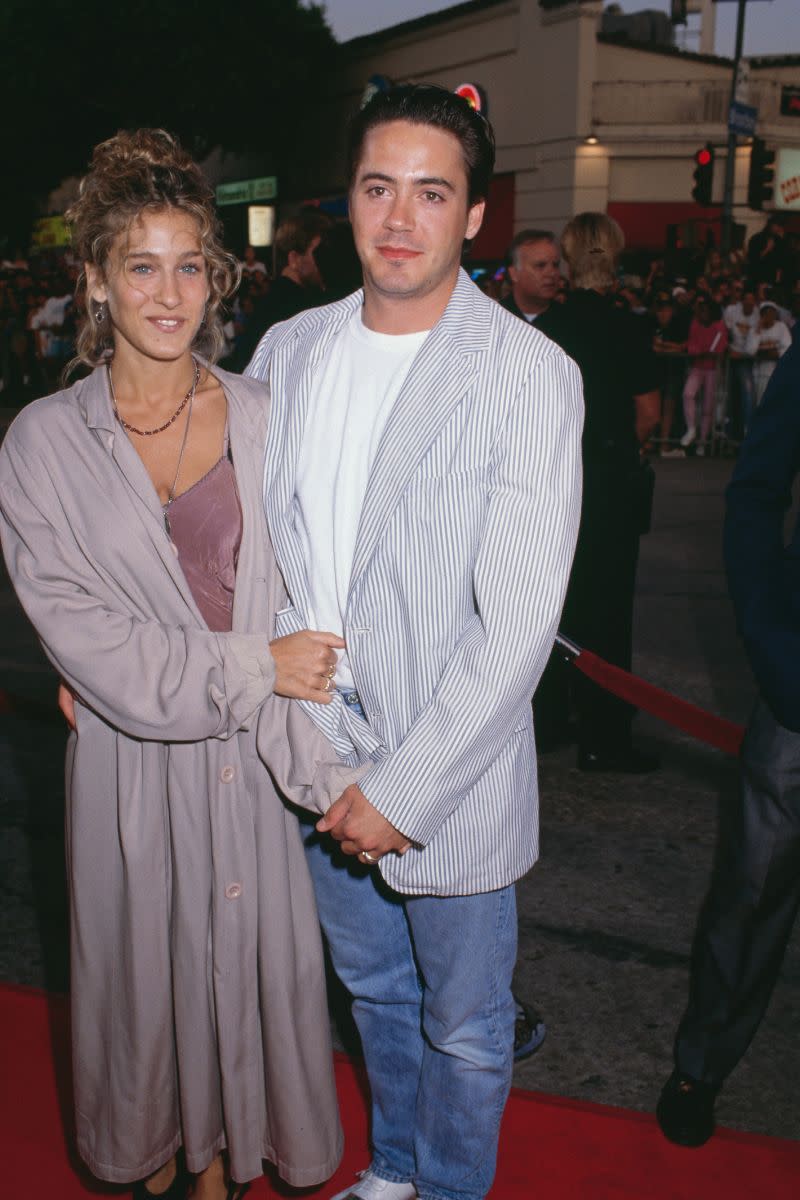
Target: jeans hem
[381,1172]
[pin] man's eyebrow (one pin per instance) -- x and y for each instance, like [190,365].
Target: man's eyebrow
[435,181]
[422,181]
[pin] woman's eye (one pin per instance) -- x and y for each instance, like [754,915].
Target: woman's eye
[190,268]
[141,269]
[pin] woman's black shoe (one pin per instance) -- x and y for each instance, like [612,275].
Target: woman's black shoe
[685,1110]
[177,1190]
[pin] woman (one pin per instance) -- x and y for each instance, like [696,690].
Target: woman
[132,526]
[766,342]
[620,387]
[708,341]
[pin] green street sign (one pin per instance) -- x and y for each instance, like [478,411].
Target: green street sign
[248,191]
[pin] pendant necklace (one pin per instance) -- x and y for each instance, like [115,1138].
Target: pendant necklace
[171,496]
[188,399]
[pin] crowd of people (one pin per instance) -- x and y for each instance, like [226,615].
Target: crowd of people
[718,323]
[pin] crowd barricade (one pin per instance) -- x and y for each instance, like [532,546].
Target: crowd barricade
[723,441]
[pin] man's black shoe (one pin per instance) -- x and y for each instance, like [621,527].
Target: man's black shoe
[685,1110]
[529,1030]
[628,761]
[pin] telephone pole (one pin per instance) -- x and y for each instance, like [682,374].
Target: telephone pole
[730,162]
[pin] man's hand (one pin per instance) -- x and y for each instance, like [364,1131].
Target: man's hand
[360,828]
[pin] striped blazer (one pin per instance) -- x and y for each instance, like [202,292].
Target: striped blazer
[461,563]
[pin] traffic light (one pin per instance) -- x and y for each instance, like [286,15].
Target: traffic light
[762,174]
[703,175]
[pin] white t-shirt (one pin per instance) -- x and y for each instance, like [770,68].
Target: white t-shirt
[740,325]
[777,338]
[352,395]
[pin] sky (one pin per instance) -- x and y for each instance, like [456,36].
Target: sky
[771,26]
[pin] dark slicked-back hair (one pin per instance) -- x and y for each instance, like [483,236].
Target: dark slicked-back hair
[428,104]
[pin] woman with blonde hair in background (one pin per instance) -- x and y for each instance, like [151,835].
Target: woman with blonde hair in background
[133,530]
[613,349]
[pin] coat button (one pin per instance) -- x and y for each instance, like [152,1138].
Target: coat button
[228,774]
[233,891]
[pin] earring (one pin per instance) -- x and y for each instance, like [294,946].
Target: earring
[100,314]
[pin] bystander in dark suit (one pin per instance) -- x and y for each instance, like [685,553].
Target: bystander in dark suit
[748,915]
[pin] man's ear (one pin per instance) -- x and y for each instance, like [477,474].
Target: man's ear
[475,219]
[95,284]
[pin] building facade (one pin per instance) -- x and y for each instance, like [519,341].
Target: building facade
[583,119]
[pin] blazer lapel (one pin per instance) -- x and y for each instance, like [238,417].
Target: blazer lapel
[451,357]
[291,376]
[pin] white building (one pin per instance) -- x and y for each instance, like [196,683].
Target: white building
[583,120]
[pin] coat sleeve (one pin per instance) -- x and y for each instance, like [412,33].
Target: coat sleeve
[520,579]
[300,759]
[150,680]
[763,577]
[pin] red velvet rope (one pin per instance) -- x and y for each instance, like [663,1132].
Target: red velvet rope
[714,731]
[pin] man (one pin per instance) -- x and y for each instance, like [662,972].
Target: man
[741,319]
[422,487]
[669,346]
[755,889]
[534,271]
[534,259]
[297,284]
[768,254]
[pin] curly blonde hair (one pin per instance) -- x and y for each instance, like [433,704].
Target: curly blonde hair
[147,170]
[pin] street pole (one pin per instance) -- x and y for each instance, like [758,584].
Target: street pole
[730,162]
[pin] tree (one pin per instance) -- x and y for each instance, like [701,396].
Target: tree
[247,76]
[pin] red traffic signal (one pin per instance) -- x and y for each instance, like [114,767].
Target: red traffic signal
[703,175]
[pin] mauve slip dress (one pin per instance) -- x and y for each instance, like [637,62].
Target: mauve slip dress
[206,526]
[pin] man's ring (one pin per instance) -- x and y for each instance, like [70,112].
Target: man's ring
[328,684]
[331,671]
[367,858]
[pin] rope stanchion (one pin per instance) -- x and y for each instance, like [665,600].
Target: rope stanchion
[706,727]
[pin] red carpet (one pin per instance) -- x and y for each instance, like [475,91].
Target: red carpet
[551,1149]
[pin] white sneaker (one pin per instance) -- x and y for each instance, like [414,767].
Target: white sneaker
[372,1187]
[689,436]
[700,451]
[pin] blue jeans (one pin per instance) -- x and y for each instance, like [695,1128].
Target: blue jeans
[430,978]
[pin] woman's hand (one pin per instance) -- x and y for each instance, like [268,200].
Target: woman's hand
[305,665]
[66,702]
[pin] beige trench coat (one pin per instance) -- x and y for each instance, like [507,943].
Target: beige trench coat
[198,1001]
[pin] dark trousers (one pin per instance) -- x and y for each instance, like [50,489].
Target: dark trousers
[748,915]
[598,615]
